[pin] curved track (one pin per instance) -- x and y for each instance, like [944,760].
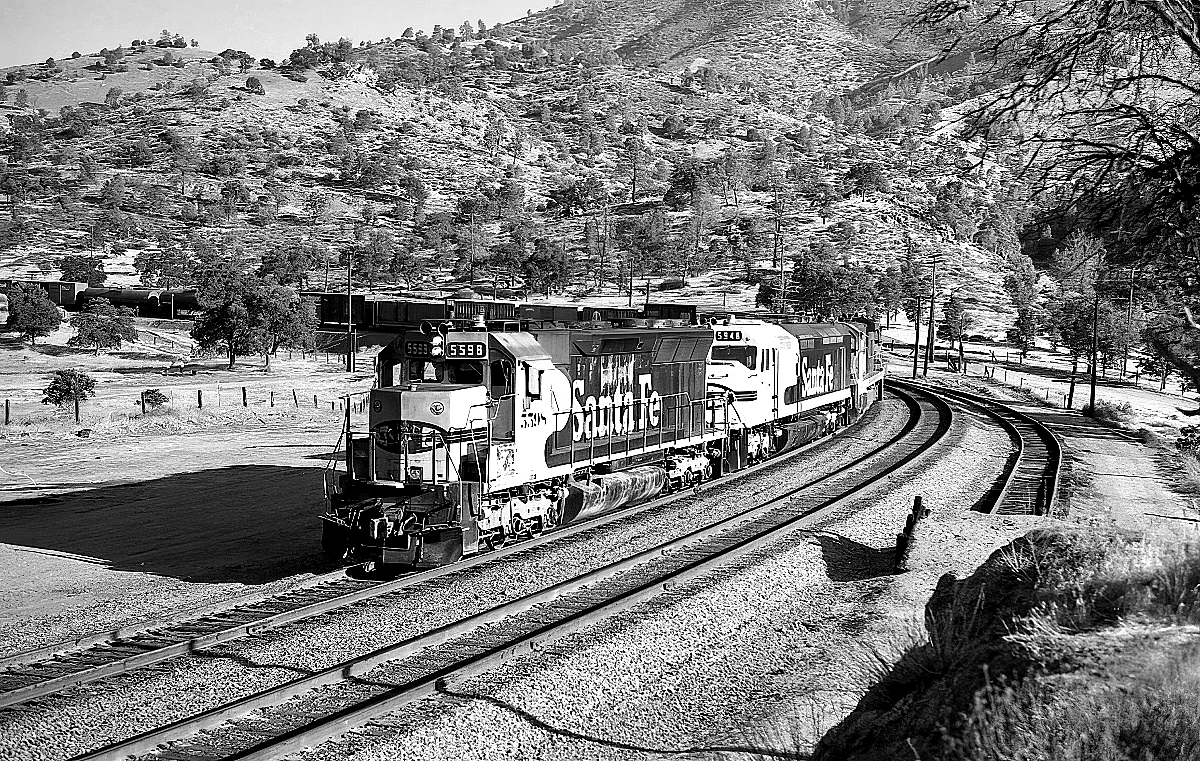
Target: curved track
[1030,483]
[314,708]
[46,671]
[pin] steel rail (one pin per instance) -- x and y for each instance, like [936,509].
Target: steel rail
[742,533]
[1027,486]
[138,646]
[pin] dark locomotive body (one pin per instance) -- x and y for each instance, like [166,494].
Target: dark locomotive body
[482,430]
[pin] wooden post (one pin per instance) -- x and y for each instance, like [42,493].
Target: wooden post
[331,407]
[272,398]
[295,398]
[143,402]
[6,412]
[245,403]
[77,410]
[314,401]
[200,398]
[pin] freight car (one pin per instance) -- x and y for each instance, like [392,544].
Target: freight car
[147,302]
[485,432]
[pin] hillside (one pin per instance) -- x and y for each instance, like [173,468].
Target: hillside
[700,140]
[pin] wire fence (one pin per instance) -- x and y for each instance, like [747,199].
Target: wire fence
[1009,371]
[28,406]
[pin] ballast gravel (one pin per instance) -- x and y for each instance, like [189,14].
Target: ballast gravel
[93,715]
[762,656]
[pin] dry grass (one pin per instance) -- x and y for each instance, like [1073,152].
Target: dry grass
[1154,716]
[1017,662]
[1116,413]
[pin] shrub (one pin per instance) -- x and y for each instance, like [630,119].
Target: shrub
[255,85]
[1110,412]
[154,398]
[68,386]
[1189,440]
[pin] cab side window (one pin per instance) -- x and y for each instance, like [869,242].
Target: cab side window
[502,378]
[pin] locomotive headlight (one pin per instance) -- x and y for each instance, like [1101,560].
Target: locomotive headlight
[437,346]
[415,473]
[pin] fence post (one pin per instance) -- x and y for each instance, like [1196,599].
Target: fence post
[314,401]
[245,403]
[143,395]
[295,398]
[200,398]
[77,410]
[331,407]
[6,412]
[272,398]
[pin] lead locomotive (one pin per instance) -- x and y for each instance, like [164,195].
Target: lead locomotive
[484,432]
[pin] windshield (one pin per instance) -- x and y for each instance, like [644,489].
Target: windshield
[425,372]
[745,355]
[465,371]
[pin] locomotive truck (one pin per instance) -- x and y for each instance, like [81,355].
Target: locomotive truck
[484,432]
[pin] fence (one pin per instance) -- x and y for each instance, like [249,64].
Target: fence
[1001,369]
[207,397]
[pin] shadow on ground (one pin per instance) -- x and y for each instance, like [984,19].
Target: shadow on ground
[248,524]
[847,560]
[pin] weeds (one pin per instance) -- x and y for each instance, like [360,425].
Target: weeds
[1111,412]
[1157,716]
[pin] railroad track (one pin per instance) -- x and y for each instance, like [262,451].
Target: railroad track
[50,670]
[1030,483]
[363,691]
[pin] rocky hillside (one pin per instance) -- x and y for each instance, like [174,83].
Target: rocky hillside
[698,142]
[1065,644]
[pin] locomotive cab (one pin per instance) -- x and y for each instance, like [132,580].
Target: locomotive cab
[429,481]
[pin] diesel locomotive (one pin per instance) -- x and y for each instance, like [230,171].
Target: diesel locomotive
[483,431]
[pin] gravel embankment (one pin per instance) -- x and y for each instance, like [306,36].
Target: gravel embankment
[97,714]
[780,639]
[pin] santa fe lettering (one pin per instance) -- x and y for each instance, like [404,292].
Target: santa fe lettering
[615,414]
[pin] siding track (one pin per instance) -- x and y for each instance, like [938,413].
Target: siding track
[1030,483]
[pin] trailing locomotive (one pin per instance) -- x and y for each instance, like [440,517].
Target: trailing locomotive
[481,433]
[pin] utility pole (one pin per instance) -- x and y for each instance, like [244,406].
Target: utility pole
[1128,322]
[932,306]
[1095,351]
[630,281]
[917,338]
[349,321]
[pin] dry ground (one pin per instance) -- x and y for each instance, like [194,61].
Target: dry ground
[162,512]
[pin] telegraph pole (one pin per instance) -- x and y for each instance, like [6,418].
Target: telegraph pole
[932,305]
[349,319]
[917,338]
[1095,351]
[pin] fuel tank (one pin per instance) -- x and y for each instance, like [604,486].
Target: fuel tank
[612,490]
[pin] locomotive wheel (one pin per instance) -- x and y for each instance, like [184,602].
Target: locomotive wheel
[536,527]
[496,539]
[517,527]
[554,516]
[708,472]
